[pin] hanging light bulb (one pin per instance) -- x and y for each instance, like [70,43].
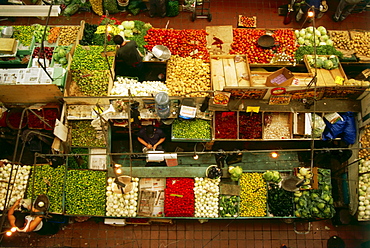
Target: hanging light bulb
[274,154]
[195,157]
[311,12]
[8,233]
[118,171]
[13,229]
[117,165]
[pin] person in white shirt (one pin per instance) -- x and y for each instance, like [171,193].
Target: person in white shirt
[24,222]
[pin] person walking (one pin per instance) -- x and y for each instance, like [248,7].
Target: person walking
[344,8]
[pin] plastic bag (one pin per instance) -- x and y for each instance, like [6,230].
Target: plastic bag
[345,129]
[319,126]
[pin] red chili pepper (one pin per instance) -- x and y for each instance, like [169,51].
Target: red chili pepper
[174,205]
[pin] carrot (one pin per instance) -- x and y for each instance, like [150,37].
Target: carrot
[53,36]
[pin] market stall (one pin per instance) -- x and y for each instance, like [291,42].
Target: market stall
[247,93]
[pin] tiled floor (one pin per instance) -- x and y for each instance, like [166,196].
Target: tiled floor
[192,234]
[224,12]
[215,233]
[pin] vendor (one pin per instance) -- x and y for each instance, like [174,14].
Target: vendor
[24,222]
[129,60]
[151,138]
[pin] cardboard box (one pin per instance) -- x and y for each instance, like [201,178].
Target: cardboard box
[8,45]
[283,71]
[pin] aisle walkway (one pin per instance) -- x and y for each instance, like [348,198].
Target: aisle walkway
[192,234]
[224,12]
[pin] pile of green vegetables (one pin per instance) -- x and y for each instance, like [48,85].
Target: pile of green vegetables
[235,172]
[272,176]
[172,8]
[60,54]
[85,135]
[320,50]
[39,32]
[280,201]
[49,181]
[24,34]
[316,203]
[191,129]
[328,63]
[88,36]
[91,83]
[228,206]
[85,192]
[111,6]
[90,58]
[79,161]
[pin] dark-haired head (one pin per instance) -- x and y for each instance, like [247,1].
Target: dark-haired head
[19,219]
[149,130]
[118,40]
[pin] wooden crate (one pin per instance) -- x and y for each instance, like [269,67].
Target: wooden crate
[230,71]
[314,180]
[241,25]
[325,77]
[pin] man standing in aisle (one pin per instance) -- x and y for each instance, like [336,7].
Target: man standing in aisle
[345,7]
[129,60]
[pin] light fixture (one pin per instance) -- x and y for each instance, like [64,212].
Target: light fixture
[117,165]
[8,233]
[195,157]
[311,13]
[118,171]
[109,28]
[274,155]
[13,229]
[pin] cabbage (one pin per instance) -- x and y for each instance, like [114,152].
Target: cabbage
[322,30]
[329,42]
[121,27]
[307,43]
[317,33]
[302,33]
[128,25]
[324,38]
[309,30]
[300,41]
[296,32]
[319,62]
[322,43]
[308,36]
[128,33]
[328,64]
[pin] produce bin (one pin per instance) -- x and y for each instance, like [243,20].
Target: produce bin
[277,126]
[51,113]
[25,50]
[85,193]
[194,130]
[50,181]
[225,125]
[33,121]
[21,179]
[326,77]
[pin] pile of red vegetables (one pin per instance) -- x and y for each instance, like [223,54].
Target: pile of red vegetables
[33,121]
[50,115]
[179,197]
[226,125]
[250,126]
[185,43]
[245,41]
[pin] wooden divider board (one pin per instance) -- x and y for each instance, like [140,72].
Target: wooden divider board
[218,77]
[230,72]
[241,68]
